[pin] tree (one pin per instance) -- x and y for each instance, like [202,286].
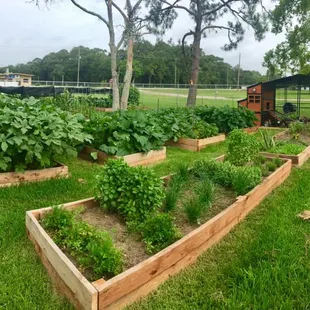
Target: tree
[292,55]
[210,16]
[134,23]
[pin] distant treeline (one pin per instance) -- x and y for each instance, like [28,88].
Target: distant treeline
[159,63]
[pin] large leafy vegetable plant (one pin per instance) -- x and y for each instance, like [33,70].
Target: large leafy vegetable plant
[33,134]
[125,132]
[226,118]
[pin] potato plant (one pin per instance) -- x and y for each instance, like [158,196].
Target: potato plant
[33,134]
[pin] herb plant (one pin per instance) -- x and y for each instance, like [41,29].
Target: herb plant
[288,148]
[33,134]
[158,232]
[242,147]
[91,248]
[133,192]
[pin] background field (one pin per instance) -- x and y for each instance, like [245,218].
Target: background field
[173,97]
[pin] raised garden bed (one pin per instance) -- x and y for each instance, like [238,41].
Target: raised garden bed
[14,178]
[297,160]
[143,278]
[138,159]
[196,144]
[288,139]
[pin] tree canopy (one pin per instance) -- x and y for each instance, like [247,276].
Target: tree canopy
[153,63]
[291,56]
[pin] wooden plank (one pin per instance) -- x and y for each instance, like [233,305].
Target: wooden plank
[137,159]
[202,143]
[196,144]
[13,178]
[79,290]
[145,158]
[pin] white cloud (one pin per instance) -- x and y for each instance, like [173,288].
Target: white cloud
[28,32]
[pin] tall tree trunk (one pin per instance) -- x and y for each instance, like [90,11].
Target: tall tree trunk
[113,49]
[128,74]
[115,84]
[192,94]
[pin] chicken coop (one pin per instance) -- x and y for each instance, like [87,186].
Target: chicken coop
[278,100]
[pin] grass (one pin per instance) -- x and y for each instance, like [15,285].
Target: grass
[262,264]
[24,284]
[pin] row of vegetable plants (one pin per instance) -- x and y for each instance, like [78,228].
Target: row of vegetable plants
[151,213]
[128,132]
[34,133]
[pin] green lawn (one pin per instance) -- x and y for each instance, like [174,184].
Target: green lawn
[24,284]
[158,100]
[262,264]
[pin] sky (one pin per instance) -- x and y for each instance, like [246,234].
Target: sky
[28,31]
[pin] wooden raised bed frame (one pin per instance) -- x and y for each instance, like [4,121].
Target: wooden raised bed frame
[99,109]
[196,145]
[297,160]
[145,277]
[138,159]
[13,178]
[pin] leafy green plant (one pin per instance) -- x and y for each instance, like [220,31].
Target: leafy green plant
[158,232]
[242,147]
[125,132]
[91,248]
[134,192]
[268,141]
[246,178]
[33,134]
[226,118]
[288,148]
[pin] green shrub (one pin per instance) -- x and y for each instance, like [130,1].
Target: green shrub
[246,178]
[242,147]
[125,132]
[91,248]
[133,192]
[33,134]
[158,232]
